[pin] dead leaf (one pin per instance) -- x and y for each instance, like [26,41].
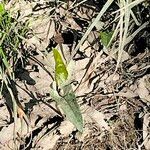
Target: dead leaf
[143,89]
[97,117]
[146,134]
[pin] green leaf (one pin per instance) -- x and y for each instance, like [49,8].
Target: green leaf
[4,58]
[67,102]
[72,111]
[2,9]
[61,73]
[105,37]
[70,107]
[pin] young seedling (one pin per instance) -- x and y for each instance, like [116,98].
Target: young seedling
[63,94]
[105,37]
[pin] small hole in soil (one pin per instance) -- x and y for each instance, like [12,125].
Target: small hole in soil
[138,124]
[68,37]
[114,118]
[47,94]
[140,46]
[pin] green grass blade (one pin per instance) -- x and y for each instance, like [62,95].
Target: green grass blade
[2,9]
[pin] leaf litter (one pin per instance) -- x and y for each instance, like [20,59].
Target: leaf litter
[115,108]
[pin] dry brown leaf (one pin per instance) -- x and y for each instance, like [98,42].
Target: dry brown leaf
[146,133]
[143,89]
[6,134]
[47,142]
[113,54]
[97,117]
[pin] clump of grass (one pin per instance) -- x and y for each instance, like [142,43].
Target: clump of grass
[10,42]
[124,20]
[10,53]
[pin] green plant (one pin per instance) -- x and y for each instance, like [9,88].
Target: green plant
[10,41]
[63,94]
[105,37]
[10,53]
